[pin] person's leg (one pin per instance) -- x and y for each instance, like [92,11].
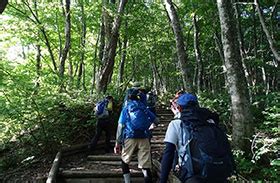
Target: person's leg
[96,137]
[108,130]
[147,175]
[127,152]
[144,159]
[196,179]
[126,172]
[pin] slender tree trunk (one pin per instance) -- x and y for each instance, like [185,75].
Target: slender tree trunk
[180,45]
[241,47]
[272,18]
[240,106]
[269,39]
[154,73]
[123,57]
[38,55]
[83,42]
[197,55]
[38,65]
[80,74]
[66,44]
[102,38]
[109,59]
[94,60]
[255,46]
[70,69]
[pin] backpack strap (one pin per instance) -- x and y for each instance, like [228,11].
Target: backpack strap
[186,145]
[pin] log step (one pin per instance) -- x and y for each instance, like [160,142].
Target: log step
[98,174]
[102,180]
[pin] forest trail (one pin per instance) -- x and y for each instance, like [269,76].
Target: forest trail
[105,168]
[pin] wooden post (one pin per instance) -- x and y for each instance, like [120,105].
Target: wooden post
[54,170]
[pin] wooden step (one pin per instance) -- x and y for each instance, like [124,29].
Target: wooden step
[98,173]
[102,180]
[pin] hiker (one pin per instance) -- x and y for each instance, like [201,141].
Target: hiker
[151,101]
[173,102]
[104,115]
[136,86]
[133,135]
[203,149]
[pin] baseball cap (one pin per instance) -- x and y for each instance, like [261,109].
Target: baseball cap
[186,98]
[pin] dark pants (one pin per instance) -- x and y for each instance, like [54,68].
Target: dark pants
[102,125]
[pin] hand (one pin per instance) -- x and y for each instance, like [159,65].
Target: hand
[153,125]
[175,108]
[117,149]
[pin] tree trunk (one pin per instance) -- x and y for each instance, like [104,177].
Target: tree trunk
[70,69]
[179,38]
[38,66]
[102,38]
[3,4]
[80,74]
[197,55]
[38,55]
[109,60]
[123,57]
[94,60]
[66,44]
[240,106]
[241,47]
[83,42]
[269,39]
[155,81]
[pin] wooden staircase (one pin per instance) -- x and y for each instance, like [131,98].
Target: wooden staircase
[106,168]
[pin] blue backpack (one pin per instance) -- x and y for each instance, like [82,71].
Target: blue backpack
[139,120]
[208,150]
[101,109]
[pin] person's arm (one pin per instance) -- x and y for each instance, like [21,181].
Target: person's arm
[167,161]
[171,139]
[154,119]
[119,133]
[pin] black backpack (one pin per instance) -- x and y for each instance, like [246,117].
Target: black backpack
[151,99]
[207,147]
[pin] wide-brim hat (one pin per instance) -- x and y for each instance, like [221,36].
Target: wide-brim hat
[136,84]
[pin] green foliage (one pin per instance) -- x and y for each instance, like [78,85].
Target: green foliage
[219,103]
[264,161]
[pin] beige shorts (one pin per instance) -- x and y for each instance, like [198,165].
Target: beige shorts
[143,149]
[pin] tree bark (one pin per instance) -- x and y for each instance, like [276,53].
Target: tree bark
[241,47]
[180,45]
[269,39]
[240,106]
[66,48]
[94,61]
[197,56]
[3,4]
[38,55]
[38,65]
[102,38]
[80,73]
[123,57]
[109,60]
